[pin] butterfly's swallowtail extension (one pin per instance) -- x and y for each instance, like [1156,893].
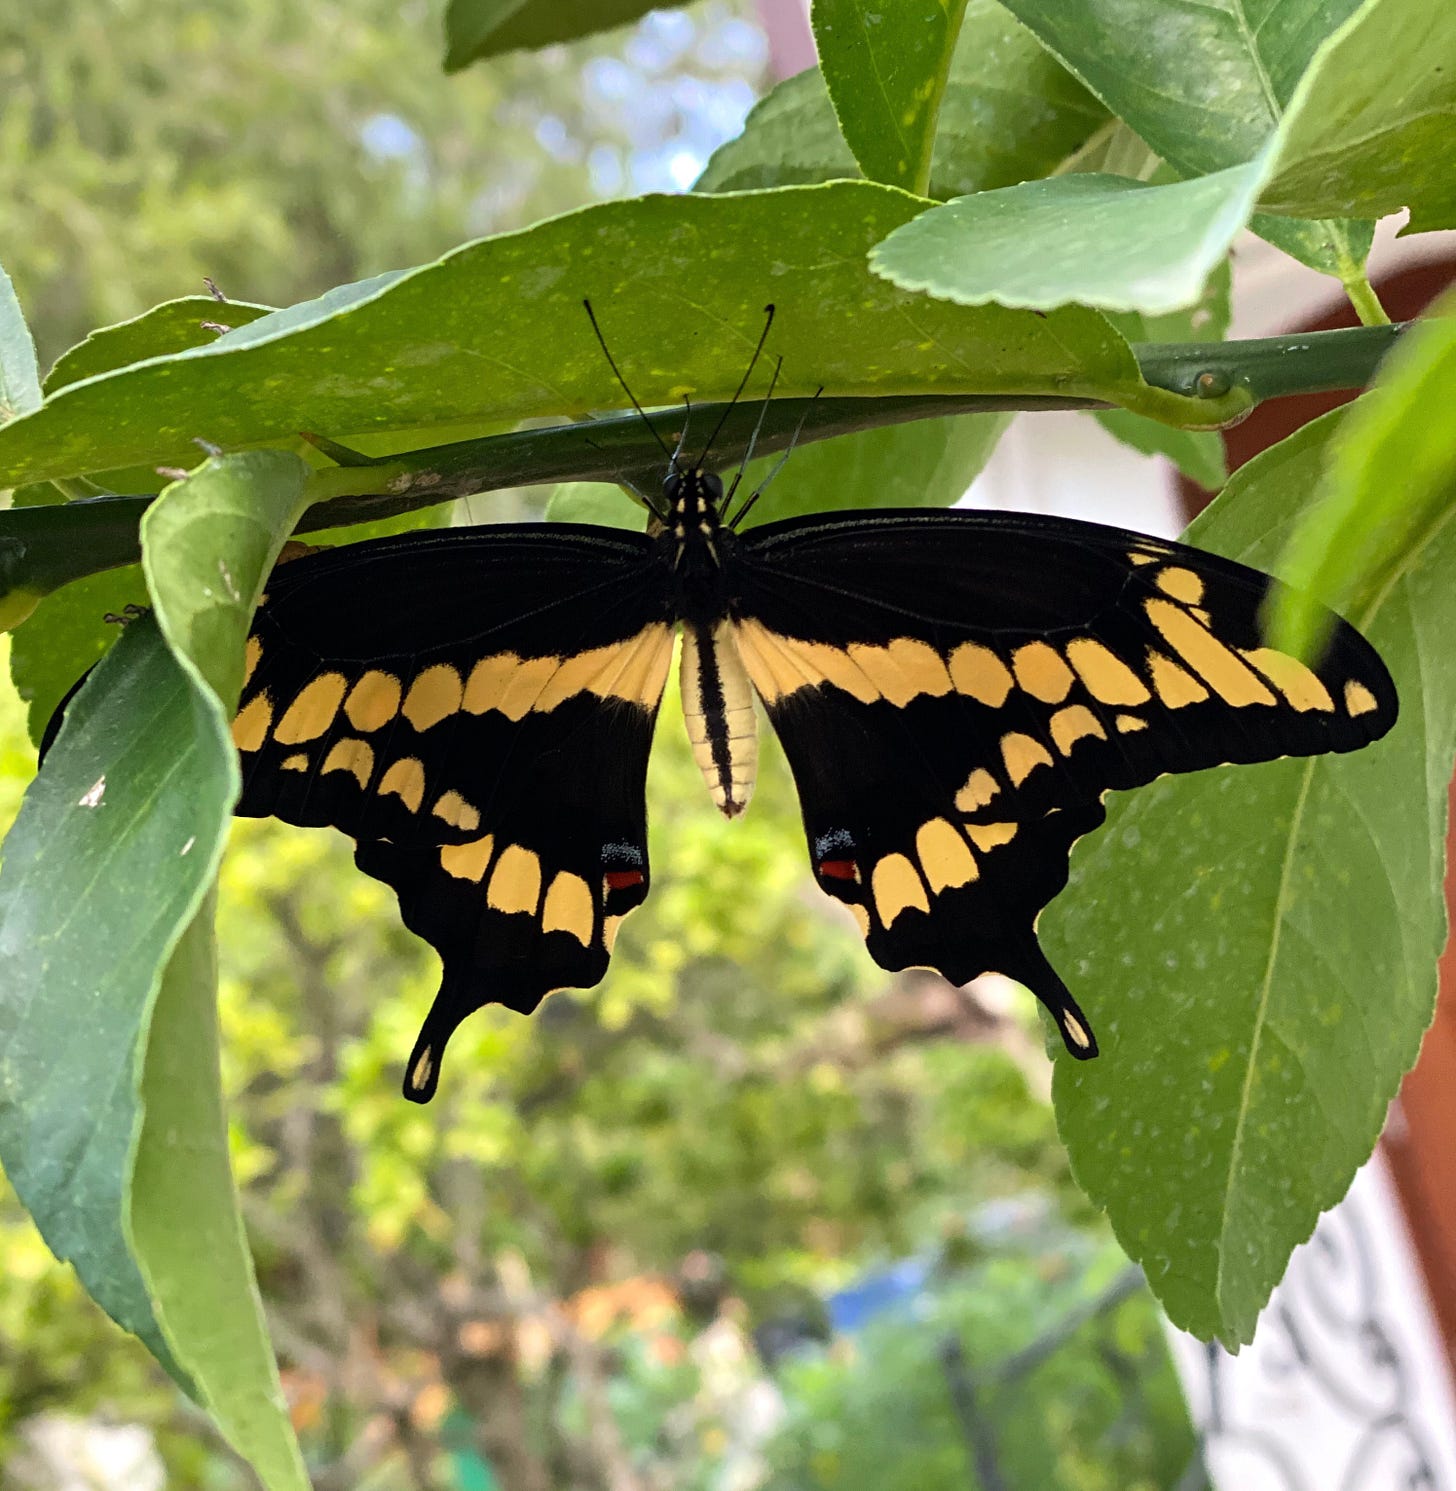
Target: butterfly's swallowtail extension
[955,692]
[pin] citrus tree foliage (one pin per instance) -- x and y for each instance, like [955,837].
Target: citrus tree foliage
[975,208]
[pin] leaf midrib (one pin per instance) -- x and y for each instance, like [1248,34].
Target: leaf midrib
[1398,573]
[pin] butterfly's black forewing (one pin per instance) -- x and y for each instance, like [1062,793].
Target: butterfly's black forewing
[475,709]
[956,691]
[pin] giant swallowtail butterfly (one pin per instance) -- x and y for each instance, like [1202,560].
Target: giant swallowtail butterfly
[955,692]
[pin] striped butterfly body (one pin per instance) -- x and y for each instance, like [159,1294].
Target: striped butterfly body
[954,691]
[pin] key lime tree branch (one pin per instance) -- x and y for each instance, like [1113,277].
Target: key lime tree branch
[46,546]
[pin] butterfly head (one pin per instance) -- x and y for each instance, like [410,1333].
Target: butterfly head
[693,496]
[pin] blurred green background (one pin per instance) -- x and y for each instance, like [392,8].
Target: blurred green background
[752,1213]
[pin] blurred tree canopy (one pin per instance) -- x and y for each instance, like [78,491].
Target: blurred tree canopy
[281,148]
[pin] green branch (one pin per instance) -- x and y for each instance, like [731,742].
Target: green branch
[1198,384]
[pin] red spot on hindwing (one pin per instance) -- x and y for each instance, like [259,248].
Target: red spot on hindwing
[624,879]
[839,869]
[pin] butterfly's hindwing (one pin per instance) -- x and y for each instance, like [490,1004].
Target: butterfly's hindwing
[486,748]
[956,692]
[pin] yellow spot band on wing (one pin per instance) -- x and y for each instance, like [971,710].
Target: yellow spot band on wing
[980,674]
[979,789]
[406,779]
[1229,678]
[250,728]
[251,654]
[373,701]
[1298,684]
[987,836]
[903,669]
[1172,684]
[1182,584]
[945,857]
[355,756]
[1072,724]
[1104,675]
[467,861]
[298,762]
[312,711]
[1022,756]
[515,883]
[569,908]
[1359,699]
[456,811]
[896,888]
[435,694]
[1043,672]
[1130,724]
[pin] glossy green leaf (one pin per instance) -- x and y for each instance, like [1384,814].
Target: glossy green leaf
[1009,112]
[1198,454]
[19,373]
[496,328]
[926,464]
[66,635]
[595,502]
[95,889]
[173,326]
[1256,947]
[885,68]
[1391,479]
[208,545]
[183,1208]
[110,860]
[1205,86]
[790,138]
[1099,240]
[476,29]
[1373,127]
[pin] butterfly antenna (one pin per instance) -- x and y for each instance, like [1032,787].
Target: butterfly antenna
[753,439]
[768,313]
[778,465]
[617,373]
[683,433]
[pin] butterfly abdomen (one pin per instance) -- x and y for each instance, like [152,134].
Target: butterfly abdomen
[718,711]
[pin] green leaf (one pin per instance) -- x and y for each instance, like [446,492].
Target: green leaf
[208,545]
[790,138]
[1205,86]
[595,502]
[1391,479]
[19,372]
[475,29]
[170,327]
[927,464]
[1257,949]
[1085,239]
[885,68]
[1009,112]
[65,636]
[112,855]
[1372,128]
[1198,454]
[497,329]
[95,889]
[183,1208]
